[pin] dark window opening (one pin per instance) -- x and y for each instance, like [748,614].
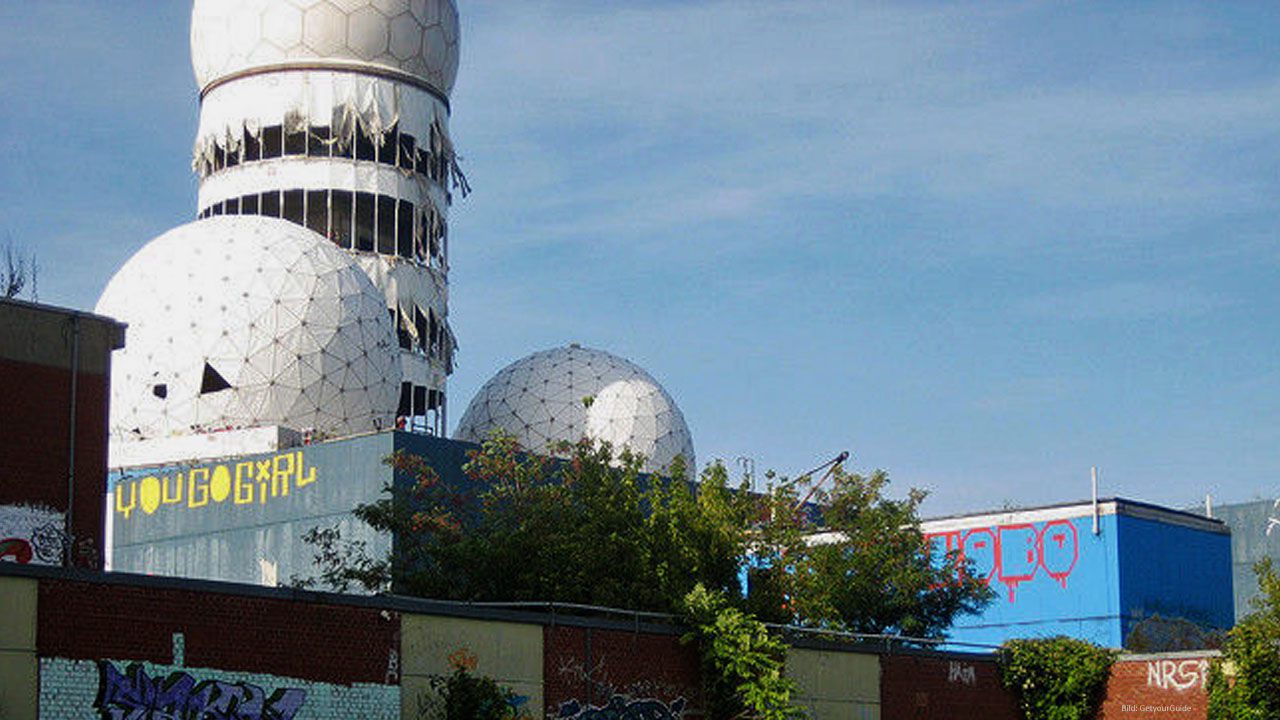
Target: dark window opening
[318,211]
[232,206]
[271,203]
[421,325]
[252,147]
[319,144]
[386,225]
[219,157]
[293,206]
[387,146]
[340,228]
[212,381]
[403,335]
[365,149]
[419,400]
[407,152]
[249,205]
[272,141]
[424,162]
[216,209]
[161,390]
[405,408]
[295,143]
[365,212]
[404,229]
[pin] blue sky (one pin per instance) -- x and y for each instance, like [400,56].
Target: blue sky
[981,245]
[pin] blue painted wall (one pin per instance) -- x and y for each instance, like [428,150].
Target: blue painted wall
[1174,572]
[1050,578]
[1057,577]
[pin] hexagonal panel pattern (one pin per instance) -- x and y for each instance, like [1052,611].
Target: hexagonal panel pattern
[419,37]
[249,321]
[572,392]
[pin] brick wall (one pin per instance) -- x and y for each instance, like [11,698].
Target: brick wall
[589,667]
[1168,685]
[943,687]
[273,636]
[34,446]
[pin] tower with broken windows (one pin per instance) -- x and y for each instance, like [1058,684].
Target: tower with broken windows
[330,116]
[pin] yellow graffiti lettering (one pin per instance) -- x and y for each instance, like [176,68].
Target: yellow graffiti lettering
[198,487]
[243,484]
[133,499]
[309,477]
[149,490]
[165,497]
[280,478]
[220,483]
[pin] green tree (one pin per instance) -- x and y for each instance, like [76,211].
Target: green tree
[864,566]
[1244,684]
[585,530]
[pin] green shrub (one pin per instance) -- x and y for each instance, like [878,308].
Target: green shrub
[1245,683]
[1056,678]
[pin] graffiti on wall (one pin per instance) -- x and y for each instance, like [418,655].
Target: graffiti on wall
[31,534]
[135,695]
[1016,553]
[623,708]
[1178,675]
[962,673]
[249,482]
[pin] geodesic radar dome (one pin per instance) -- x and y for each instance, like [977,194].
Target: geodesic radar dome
[242,321]
[415,37]
[567,393]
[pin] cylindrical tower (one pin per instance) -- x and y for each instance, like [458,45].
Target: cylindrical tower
[334,115]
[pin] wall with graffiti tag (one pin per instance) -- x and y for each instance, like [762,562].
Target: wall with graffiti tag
[1056,573]
[120,689]
[31,534]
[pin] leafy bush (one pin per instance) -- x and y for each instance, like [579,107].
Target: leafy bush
[1057,678]
[742,664]
[463,695]
[1245,683]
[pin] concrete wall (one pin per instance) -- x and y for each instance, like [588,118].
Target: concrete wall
[18,678]
[510,653]
[837,684]
[1255,534]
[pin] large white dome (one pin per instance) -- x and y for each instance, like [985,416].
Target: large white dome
[249,321]
[415,37]
[567,393]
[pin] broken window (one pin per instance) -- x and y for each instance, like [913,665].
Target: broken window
[294,207]
[404,229]
[340,227]
[405,408]
[407,152]
[272,142]
[365,149]
[365,214]
[319,144]
[388,144]
[212,381]
[271,203]
[295,143]
[386,225]
[422,326]
[318,211]
[252,147]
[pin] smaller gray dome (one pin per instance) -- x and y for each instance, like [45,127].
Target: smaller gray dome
[568,393]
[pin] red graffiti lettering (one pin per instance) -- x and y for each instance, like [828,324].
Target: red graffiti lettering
[17,549]
[1013,554]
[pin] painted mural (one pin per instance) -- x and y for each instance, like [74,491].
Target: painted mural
[31,535]
[124,690]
